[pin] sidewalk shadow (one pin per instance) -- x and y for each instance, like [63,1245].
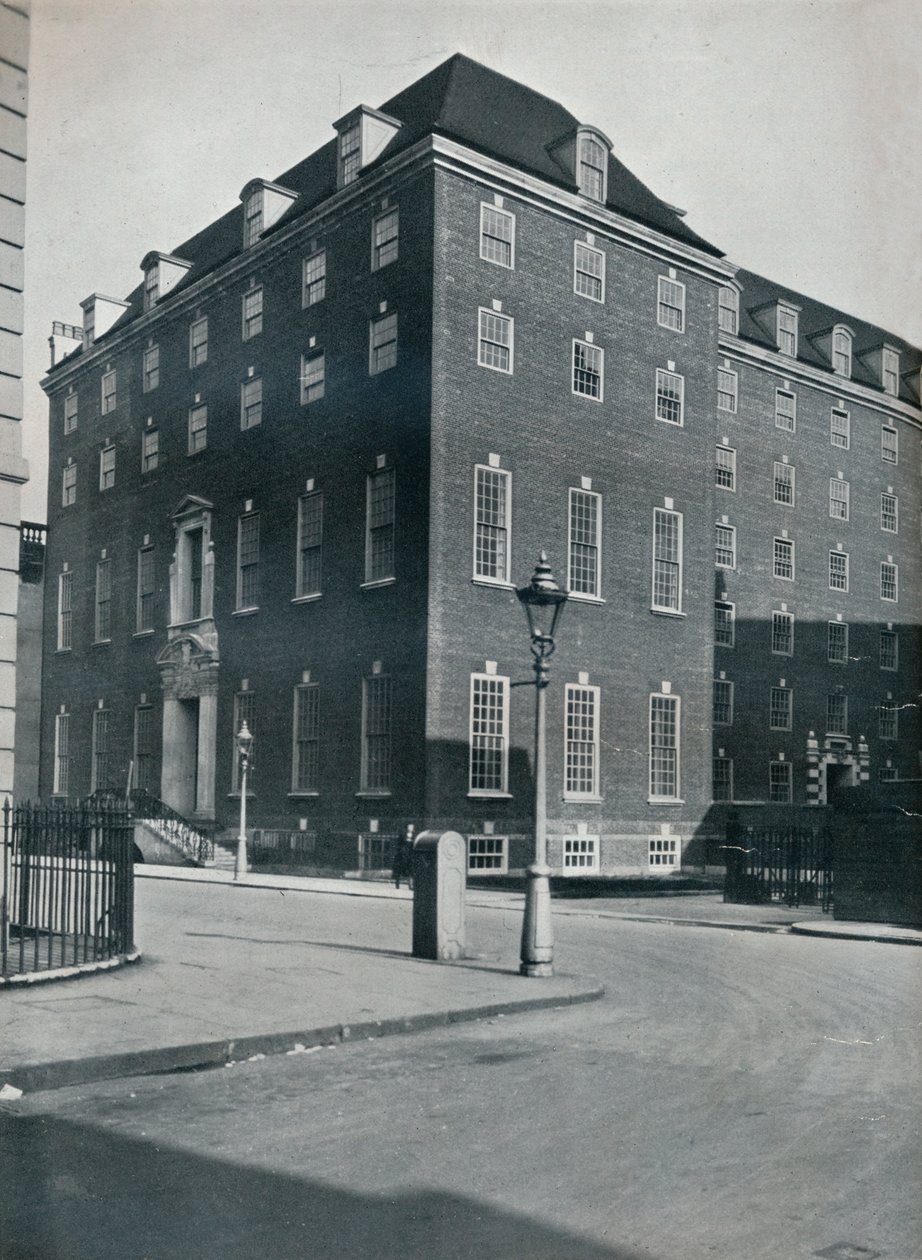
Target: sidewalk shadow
[70,1191]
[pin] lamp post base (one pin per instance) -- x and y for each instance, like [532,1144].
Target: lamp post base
[240,864]
[537,952]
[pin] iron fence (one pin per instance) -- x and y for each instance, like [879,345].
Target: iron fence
[66,886]
[792,865]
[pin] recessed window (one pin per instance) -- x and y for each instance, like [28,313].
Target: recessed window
[385,239]
[487,854]
[727,386]
[724,624]
[888,720]
[670,396]
[244,711]
[251,403]
[890,371]
[888,774]
[313,376]
[837,643]
[839,428]
[783,559]
[101,752]
[253,217]
[723,702]
[310,545]
[584,542]
[150,373]
[581,773]
[144,601]
[779,782]
[492,522]
[198,342]
[662,851]
[588,272]
[109,392]
[667,560]
[248,561]
[151,285]
[62,757]
[379,525]
[722,779]
[838,570]
[588,363]
[787,330]
[497,235]
[69,485]
[489,735]
[382,344]
[186,598]
[670,304]
[725,546]
[70,413]
[841,352]
[838,499]
[889,581]
[836,714]
[198,428]
[889,649]
[581,853]
[144,747]
[728,310]
[782,633]
[350,155]
[593,166]
[890,513]
[65,638]
[495,341]
[889,444]
[252,313]
[725,468]
[314,278]
[784,483]
[107,468]
[780,709]
[664,747]
[150,449]
[785,410]
[305,751]
[103,603]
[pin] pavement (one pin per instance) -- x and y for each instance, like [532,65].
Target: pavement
[282,964]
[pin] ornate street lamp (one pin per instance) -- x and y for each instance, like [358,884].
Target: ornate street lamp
[244,744]
[543,601]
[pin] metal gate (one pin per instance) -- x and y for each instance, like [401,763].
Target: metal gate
[792,865]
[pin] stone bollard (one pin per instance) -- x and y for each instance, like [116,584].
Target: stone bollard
[439,884]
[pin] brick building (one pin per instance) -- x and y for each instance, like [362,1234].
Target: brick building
[297,474]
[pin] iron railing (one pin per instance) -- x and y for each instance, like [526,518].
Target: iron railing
[272,847]
[792,865]
[172,826]
[66,886]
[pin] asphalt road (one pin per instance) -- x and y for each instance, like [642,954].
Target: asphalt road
[735,1096]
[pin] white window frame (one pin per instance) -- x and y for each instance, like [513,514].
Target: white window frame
[890,371]
[583,274]
[595,353]
[487,855]
[889,511]
[663,566]
[784,481]
[143,749]
[385,249]
[100,749]
[786,330]
[580,854]
[102,601]
[144,612]
[502,682]
[504,529]
[487,250]
[727,469]
[251,318]
[68,485]
[724,761]
[780,786]
[839,495]
[674,703]
[892,580]
[725,606]
[349,155]
[380,357]
[251,403]
[150,449]
[894,639]
[253,217]
[150,369]
[151,285]
[787,618]
[197,432]
[107,468]
[889,450]
[676,303]
[490,346]
[65,623]
[728,545]
[725,703]
[888,720]
[593,547]
[313,385]
[670,398]
[785,410]
[664,852]
[305,748]
[841,578]
[728,384]
[198,344]
[301,548]
[109,391]
[387,477]
[728,311]
[71,408]
[314,278]
[781,715]
[843,431]
[836,700]
[574,749]
[779,546]
[243,570]
[62,754]
[842,352]
[841,647]
[592,178]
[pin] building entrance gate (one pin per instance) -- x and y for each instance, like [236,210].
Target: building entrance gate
[790,865]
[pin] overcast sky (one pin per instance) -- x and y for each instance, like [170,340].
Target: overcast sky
[788,129]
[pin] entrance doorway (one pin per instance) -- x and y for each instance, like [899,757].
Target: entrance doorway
[836,773]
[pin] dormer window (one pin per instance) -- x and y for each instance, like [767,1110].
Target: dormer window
[842,352]
[592,167]
[728,310]
[890,370]
[161,273]
[364,134]
[263,205]
[151,285]
[786,330]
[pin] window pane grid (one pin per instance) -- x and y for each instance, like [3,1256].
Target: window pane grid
[670,393]
[491,553]
[724,624]
[722,779]
[310,543]
[101,751]
[383,343]
[725,468]
[198,342]
[581,741]
[145,610]
[783,633]
[838,499]
[486,853]
[376,713]
[380,542]
[785,410]
[779,782]
[780,709]
[488,733]
[589,272]
[784,484]
[726,389]
[667,560]
[580,853]
[313,376]
[889,648]
[385,239]
[838,571]
[584,542]
[495,344]
[198,429]
[888,444]
[888,581]
[248,562]
[783,559]
[496,235]
[587,370]
[837,642]
[251,403]
[151,370]
[315,278]
[836,714]
[889,513]
[725,546]
[664,746]
[670,307]
[150,449]
[65,610]
[62,754]
[728,311]
[103,620]
[723,702]
[144,748]
[839,429]
[306,759]
[252,313]
[887,720]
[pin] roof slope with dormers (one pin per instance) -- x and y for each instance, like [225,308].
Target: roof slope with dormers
[756,325]
[461,100]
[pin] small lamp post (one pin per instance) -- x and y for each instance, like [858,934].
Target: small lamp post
[244,744]
[543,601]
